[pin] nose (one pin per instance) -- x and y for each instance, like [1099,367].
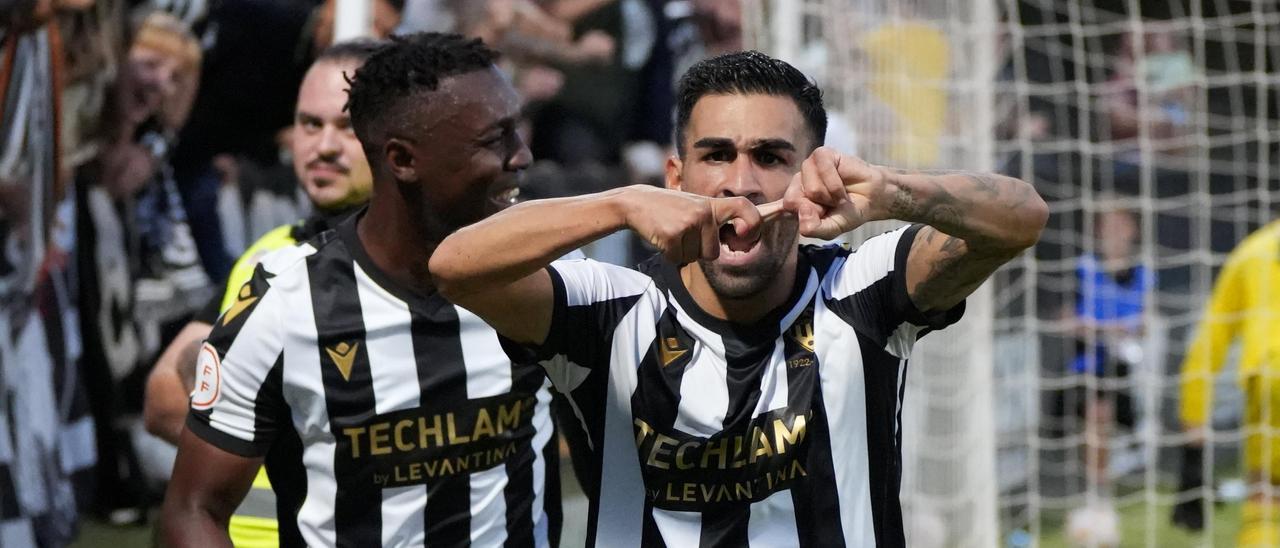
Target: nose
[742,180]
[330,143]
[522,158]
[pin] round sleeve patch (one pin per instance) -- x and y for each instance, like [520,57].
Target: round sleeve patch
[208,379]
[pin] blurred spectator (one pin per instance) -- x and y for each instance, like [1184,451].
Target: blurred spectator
[256,54]
[1107,322]
[139,272]
[1166,76]
[46,436]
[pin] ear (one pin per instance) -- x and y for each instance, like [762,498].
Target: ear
[674,169]
[400,159]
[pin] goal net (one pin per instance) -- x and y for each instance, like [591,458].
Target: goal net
[1150,128]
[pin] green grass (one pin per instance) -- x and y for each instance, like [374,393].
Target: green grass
[1134,531]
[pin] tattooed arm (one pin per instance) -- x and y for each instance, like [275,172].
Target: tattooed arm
[976,221]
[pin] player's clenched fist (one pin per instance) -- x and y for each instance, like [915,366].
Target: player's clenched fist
[686,227]
[835,193]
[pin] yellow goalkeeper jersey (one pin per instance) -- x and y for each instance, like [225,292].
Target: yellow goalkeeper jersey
[1245,306]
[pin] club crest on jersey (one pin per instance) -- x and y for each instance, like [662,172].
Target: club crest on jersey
[208,384]
[669,350]
[244,300]
[343,356]
[802,332]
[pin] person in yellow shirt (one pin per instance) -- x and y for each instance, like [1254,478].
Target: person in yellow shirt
[1244,307]
[331,166]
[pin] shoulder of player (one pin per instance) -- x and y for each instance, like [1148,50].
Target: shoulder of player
[1261,245]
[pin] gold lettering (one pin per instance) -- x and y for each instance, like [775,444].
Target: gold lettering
[401,444]
[415,471]
[689,494]
[795,467]
[764,450]
[509,419]
[398,476]
[707,491]
[723,493]
[424,433]
[670,496]
[721,449]
[680,462]
[644,432]
[354,434]
[484,425]
[446,468]
[782,437]
[737,452]
[378,437]
[658,451]
[742,490]
[463,464]
[430,467]
[454,438]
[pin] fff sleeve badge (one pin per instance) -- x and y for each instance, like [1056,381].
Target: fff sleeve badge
[208,385]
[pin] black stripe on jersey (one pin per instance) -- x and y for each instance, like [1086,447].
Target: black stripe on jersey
[745,365]
[526,379]
[442,382]
[288,478]
[659,377]
[816,502]
[348,387]
[884,466]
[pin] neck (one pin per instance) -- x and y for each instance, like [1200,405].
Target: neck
[743,310]
[397,244]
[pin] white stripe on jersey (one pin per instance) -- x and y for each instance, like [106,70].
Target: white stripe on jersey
[868,264]
[773,383]
[310,414]
[773,522]
[482,355]
[388,337]
[679,528]
[541,437]
[622,518]
[386,323]
[704,394]
[846,411]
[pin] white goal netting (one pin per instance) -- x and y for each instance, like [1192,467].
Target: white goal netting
[1151,129]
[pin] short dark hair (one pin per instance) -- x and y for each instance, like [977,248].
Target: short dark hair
[358,50]
[748,72]
[406,66]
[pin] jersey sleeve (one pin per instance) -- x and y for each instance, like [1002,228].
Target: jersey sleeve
[1208,350]
[589,299]
[869,291]
[237,395]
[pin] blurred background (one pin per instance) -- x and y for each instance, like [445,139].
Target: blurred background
[144,145]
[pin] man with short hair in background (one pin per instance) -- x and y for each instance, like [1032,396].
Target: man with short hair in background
[332,169]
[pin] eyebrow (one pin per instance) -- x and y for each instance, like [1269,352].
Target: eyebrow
[758,144]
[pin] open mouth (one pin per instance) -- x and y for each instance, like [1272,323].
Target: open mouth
[506,196]
[735,248]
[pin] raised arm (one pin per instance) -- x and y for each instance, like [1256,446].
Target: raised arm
[495,267]
[975,221]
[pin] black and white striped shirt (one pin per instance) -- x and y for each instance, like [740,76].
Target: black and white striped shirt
[707,433]
[387,417]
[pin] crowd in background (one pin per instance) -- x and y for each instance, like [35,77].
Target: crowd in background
[143,147]
[146,145]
